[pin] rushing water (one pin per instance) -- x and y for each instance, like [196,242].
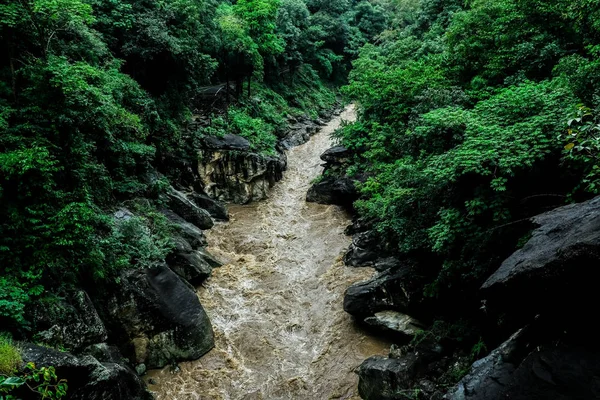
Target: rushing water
[276,306]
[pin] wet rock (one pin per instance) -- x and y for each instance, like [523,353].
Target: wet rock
[188,231]
[396,322]
[519,370]
[215,208]
[88,379]
[336,155]
[239,177]
[489,375]
[191,266]
[227,142]
[404,374]
[382,378]
[104,352]
[189,211]
[389,290]
[71,322]
[556,269]
[333,190]
[155,318]
[365,250]
[299,133]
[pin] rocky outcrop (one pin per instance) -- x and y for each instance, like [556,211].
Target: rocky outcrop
[403,374]
[185,208]
[155,318]
[238,176]
[366,250]
[87,378]
[216,209]
[391,290]
[335,187]
[70,322]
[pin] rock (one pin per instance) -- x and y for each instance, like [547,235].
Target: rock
[382,378]
[140,369]
[216,209]
[188,231]
[227,142]
[189,211]
[336,155]
[556,269]
[298,134]
[239,177]
[103,352]
[518,371]
[332,190]
[191,266]
[155,318]
[402,375]
[396,322]
[88,379]
[389,290]
[365,250]
[71,322]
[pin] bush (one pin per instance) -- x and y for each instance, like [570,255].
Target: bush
[10,358]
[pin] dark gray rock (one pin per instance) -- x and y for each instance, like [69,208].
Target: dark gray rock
[556,269]
[188,231]
[336,155]
[383,378]
[191,266]
[518,370]
[71,322]
[155,318]
[365,250]
[87,378]
[333,190]
[215,208]
[227,142]
[403,374]
[389,290]
[189,211]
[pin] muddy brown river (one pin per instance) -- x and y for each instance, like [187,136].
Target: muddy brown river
[276,304]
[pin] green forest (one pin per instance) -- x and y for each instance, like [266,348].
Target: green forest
[96,95]
[475,116]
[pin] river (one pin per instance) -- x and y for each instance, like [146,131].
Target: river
[276,304]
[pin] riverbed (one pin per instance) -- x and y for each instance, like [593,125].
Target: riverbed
[276,304]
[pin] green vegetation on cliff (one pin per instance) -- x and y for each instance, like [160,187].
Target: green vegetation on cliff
[95,96]
[463,128]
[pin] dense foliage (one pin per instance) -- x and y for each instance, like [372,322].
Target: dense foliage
[95,97]
[463,128]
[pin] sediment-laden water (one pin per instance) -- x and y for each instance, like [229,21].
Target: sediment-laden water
[276,306]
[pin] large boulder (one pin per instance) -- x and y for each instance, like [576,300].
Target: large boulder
[155,317]
[216,209]
[365,250]
[69,322]
[557,269]
[520,370]
[336,155]
[188,231]
[333,190]
[87,378]
[184,207]
[391,290]
[403,374]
